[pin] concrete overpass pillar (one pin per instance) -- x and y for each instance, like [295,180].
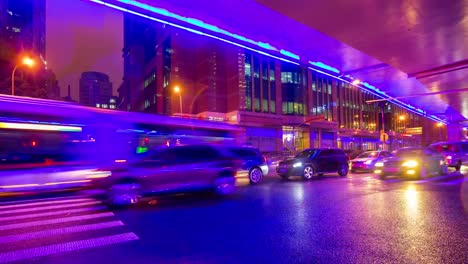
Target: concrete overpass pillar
[454,132]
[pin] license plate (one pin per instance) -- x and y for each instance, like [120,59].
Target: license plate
[392,170]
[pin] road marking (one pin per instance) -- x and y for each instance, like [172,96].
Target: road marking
[52,213]
[66,247]
[59,231]
[55,221]
[45,202]
[34,209]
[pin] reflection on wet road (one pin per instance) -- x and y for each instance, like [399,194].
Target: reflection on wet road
[358,219]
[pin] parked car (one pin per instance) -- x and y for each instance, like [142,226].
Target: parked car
[414,162]
[366,160]
[315,162]
[252,161]
[171,170]
[455,153]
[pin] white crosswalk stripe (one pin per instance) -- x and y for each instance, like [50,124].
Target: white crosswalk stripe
[57,225]
[34,209]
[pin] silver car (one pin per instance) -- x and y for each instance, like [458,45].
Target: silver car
[366,160]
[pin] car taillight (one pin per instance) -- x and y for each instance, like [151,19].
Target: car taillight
[264,159]
[448,159]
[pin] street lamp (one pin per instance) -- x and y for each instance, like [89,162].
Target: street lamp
[439,125]
[26,61]
[177,90]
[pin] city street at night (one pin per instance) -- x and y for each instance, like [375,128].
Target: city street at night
[357,219]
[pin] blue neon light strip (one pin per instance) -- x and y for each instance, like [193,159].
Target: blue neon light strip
[324,66]
[289,54]
[395,101]
[369,88]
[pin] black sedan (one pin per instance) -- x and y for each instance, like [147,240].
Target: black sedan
[314,162]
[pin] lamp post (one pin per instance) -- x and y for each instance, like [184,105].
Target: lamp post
[439,125]
[27,61]
[177,90]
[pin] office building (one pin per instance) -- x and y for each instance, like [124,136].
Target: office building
[96,90]
[281,105]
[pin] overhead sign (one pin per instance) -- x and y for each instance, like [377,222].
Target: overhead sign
[414,130]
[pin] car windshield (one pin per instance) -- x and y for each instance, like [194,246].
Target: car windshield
[407,152]
[368,154]
[307,153]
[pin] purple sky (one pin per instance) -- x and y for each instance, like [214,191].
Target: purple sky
[82,36]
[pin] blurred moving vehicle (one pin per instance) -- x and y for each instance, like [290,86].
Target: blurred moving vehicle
[252,161]
[366,160]
[32,179]
[315,162]
[413,162]
[455,153]
[169,170]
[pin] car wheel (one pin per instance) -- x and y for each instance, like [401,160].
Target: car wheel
[343,170]
[458,166]
[308,172]
[124,193]
[255,175]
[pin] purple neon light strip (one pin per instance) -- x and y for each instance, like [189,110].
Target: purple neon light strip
[260,44]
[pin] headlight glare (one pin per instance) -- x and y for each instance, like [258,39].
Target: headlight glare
[297,164]
[379,164]
[410,164]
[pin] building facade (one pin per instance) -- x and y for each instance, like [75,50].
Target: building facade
[281,105]
[22,23]
[96,90]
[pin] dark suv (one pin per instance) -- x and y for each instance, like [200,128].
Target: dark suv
[252,161]
[171,170]
[311,162]
[455,153]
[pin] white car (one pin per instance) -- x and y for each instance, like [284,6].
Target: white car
[366,160]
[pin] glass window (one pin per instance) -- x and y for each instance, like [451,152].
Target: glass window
[256,84]
[248,81]
[292,90]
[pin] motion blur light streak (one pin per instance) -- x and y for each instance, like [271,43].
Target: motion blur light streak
[18,186]
[26,126]
[66,182]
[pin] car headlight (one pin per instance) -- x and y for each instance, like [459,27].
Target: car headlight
[368,162]
[379,164]
[297,164]
[410,164]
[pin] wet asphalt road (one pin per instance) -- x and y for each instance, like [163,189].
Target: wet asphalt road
[358,219]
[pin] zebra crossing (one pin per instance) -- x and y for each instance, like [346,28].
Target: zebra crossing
[38,228]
